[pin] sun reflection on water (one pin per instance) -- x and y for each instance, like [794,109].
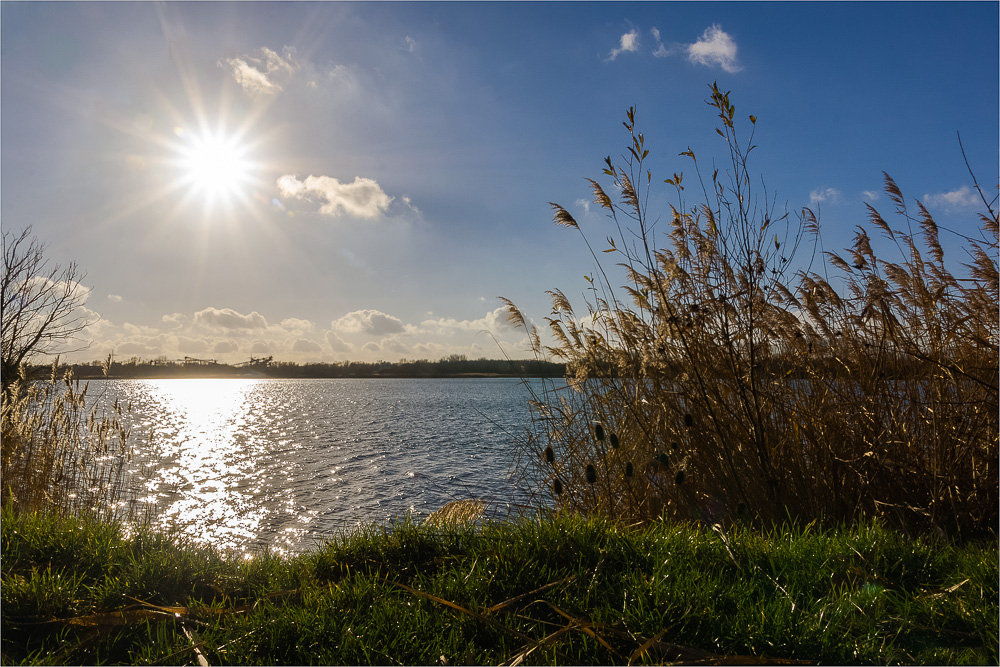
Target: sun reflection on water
[208,479]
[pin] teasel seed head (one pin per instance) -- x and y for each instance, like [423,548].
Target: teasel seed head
[550,455]
[557,487]
[591,473]
[614,440]
[628,469]
[688,420]
[680,477]
[599,432]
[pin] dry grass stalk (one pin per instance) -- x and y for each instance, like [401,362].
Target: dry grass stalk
[739,389]
[58,456]
[457,512]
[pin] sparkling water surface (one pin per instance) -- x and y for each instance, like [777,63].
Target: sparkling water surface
[246,463]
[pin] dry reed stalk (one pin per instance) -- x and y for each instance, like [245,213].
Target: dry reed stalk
[738,389]
[58,456]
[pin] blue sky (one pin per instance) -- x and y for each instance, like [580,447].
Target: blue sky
[329,181]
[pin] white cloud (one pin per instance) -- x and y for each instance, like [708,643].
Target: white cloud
[229,336]
[139,330]
[870,195]
[72,290]
[964,197]
[494,322]
[262,73]
[225,347]
[191,345]
[138,349]
[629,42]
[114,298]
[336,343]
[304,346]
[820,195]
[409,44]
[661,51]
[174,319]
[229,319]
[370,322]
[260,347]
[363,198]
[715,48]
[297,326]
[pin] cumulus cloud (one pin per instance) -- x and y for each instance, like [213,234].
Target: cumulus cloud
[336,343]
[370,322]
[260,347]
[304,346]
[820,195]
[174,319]
[225,347]
[262,73]
[297,326]
[494,322]
[870,195]
[114,298]
[363,198]
[139,349]
[964,197]
[229,319]
[715,48]
[629,42]
[191,345]
[134,329]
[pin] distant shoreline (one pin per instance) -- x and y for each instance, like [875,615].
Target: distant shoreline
[452,368]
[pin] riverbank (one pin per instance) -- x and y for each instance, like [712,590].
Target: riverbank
[568,590]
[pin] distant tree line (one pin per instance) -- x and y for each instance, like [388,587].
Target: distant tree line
[452,366]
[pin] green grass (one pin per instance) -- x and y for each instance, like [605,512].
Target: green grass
[563,590]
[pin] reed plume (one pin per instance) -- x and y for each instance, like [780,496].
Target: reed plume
[743,383]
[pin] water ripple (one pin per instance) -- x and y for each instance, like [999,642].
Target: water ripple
[246,463]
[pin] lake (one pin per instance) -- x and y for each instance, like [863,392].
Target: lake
[245,463]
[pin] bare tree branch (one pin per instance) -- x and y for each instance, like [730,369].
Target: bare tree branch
[42,306]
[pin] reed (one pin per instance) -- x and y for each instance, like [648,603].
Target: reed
[57,455]
[740,375]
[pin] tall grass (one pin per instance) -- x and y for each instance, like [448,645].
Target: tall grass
[727,380]
[57,455]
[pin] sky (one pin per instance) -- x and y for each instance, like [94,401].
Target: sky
[322,182]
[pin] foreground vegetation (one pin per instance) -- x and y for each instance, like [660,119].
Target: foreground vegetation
[717,373]
[566,590]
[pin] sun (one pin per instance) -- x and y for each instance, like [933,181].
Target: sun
[213,163]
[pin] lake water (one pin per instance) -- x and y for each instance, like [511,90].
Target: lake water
[288,463]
